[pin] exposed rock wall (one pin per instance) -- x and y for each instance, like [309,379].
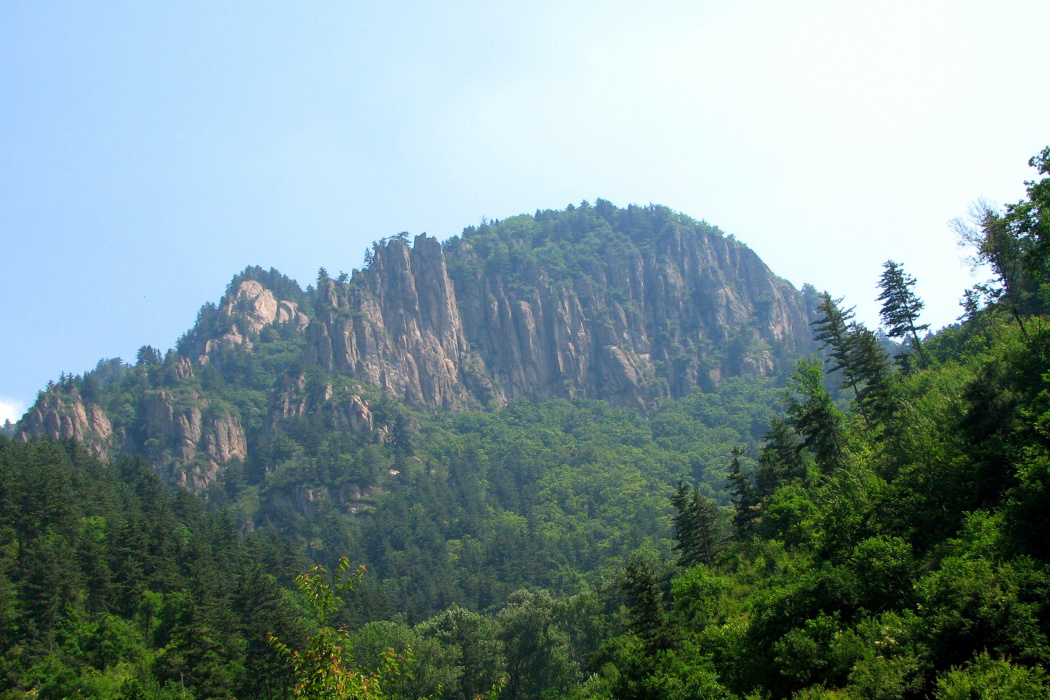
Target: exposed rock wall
[340,409]
[192,442]
[62,413]
[187,442]
[244,311]
[396,325]
[638,325]
[632,316]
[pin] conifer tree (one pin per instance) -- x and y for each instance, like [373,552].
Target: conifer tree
[645,605]
[837,333]
[871,366]
[831,330]
[743,496]
[697,536]
[901,306]
[778,461]
[813,416]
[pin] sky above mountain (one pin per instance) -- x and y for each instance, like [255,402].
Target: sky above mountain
[149,151]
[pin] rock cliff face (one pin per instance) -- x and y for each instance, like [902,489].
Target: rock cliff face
[630,306]
[64,414]
[246,309]
[633,324]
[188,436]
[339,408]
[639,324]
[396,325]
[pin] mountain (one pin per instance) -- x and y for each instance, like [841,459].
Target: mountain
[761,539]
[631,306]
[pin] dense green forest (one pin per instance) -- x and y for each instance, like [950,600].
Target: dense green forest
[867,527]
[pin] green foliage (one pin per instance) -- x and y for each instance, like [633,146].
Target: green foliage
[477,649]
[538,653]
[430,665]
[700,530]
[322,669]
[993,679]
[111,586]
[568,243]
[813,416]
[832,330]
[901,306]
[645,598]
[1013,243]
[894,550]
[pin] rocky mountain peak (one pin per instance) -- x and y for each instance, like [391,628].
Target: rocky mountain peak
[244,311]
[631,306]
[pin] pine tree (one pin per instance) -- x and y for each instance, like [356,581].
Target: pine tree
[837,333]
[815,418]
[901,306]
[778,461]
[645,604]
[831,330]
[697,533]
[871,366]
[856,352]
[743,496]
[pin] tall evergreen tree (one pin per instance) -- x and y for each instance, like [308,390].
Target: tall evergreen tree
[645,604]
[831,330]
[698,536]
[742,496]
[836,331]
[778,461]
[901,306]
[814,417]
[871,366]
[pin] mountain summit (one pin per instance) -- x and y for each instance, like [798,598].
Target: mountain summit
[631,306]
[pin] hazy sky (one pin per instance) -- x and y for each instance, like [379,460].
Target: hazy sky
[149,151]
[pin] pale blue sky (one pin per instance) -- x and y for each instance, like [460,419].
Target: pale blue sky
[149,151]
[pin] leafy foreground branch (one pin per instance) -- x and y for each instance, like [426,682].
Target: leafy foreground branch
[321,668]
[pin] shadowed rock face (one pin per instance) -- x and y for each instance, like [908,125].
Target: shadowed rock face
[189,447]
[641,325]
[194,444]
[636,325]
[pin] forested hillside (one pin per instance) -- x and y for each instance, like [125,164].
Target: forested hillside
[856,526]
[112,585]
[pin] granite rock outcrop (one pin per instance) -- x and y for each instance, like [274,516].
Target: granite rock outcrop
[630,306]
[245,310]
[190,437]
[62,413]
[634,325]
